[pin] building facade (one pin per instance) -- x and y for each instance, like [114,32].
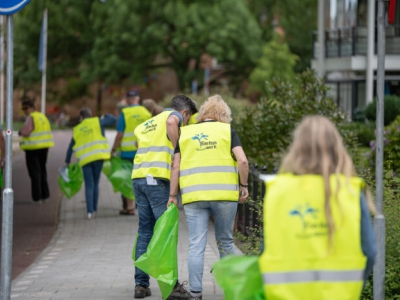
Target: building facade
[345,51]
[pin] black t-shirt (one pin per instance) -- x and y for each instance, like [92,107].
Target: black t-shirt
[235,141]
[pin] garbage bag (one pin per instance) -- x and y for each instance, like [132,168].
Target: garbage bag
[120,176]
[1,178]
[160,260]
[107,168]
[73,186]
[239,277]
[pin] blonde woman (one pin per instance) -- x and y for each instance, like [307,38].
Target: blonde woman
[319,243]
[209,183]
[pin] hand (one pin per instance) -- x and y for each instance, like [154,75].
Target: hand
[243,194]
[2,163]
[171,200]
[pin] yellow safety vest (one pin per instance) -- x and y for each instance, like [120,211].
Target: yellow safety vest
[207,170]
[298,262]
[90,144]
[155,152]
[133,115]
[40,137]
[192,119]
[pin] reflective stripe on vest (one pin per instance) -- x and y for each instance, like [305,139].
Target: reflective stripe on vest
[298,261]
[133,116]
[310,276]
[41,136]
[154,156]
[207,169]
[90,144]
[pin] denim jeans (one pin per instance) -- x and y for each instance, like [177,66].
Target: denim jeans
[151,203]
[91,175]
[198,215]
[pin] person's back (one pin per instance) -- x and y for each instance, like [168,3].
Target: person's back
[314,215]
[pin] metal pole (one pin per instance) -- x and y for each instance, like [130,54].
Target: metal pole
[8,193]
[369,84]
[321,38]
[44,61]
[379,220]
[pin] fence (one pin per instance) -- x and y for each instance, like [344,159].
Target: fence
[248,216]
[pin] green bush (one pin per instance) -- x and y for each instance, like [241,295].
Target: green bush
[265,129]
[391,207]
[391,110]
[364,132]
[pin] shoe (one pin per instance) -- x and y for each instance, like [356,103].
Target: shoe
[179,292]
[127,212]
[37,202]
[195,296]
[45,200]
[89,216]
[141,292]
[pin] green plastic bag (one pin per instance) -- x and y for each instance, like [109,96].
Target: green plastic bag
[239,277]
[74,185]
[107,168]
[120,176]
[161,259]
[1,178]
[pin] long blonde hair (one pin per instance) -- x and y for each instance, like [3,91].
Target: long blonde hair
[317,148]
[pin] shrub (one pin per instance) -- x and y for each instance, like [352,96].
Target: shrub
[391,109]
[364,132]
[265,129]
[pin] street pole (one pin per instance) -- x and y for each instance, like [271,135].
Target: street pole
[8,193]
[379,220]
[1,71]
[44,62]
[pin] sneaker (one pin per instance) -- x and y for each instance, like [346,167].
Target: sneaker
[89,216]
[179,292]
[141,292]
[37,202]
[195,296]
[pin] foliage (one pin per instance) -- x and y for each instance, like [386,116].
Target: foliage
[391,198]
[276,62]
[118,40]
[391,149]
[298,19]
[391,109]
[364,132]
[265,130]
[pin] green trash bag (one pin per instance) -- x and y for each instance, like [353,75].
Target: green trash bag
[107,168]
[1,178]
[73,186]
[239,277]
[120,176]
[161,259]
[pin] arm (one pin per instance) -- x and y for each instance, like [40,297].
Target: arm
[69,152]
[243,166]
[107,120]
[173,190]
[368,243]
[28,127]
[173,129]
[120,133]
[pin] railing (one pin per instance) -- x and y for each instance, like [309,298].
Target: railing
[353,41]
[248,216]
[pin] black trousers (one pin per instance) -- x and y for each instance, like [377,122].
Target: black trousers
[36,164]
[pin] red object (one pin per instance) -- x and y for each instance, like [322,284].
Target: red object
[392,5]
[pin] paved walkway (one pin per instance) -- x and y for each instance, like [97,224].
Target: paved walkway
[91,259]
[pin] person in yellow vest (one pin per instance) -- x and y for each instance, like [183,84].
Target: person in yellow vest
[151,173]
[212,169]
[319,242]
[91,149]
[36,141]
[193,119]
[129,118]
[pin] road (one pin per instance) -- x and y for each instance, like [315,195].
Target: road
[35,225]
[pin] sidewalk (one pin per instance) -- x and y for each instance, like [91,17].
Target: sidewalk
[91,259]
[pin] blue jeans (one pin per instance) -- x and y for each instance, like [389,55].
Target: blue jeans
[91,175]
[151,203]
[198,215]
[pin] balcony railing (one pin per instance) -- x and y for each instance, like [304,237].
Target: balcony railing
[353,41]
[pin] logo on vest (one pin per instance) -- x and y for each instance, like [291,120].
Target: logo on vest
[149,126]
[85,131]
[204,143]
[310,225]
